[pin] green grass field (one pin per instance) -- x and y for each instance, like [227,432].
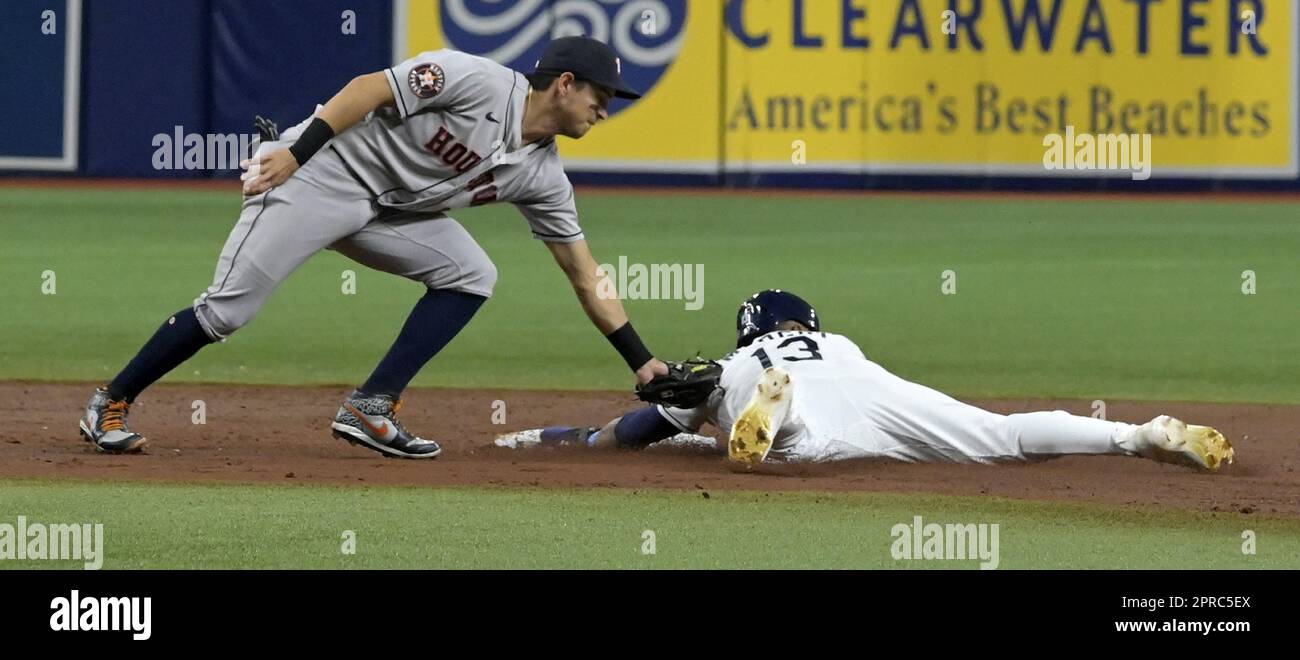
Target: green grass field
[1121,299]
[181,526]
[1118,299]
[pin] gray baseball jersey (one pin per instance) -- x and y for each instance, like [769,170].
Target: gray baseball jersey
[452,140]
[379,192]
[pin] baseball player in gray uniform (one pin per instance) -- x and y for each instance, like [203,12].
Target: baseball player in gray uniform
[373,175]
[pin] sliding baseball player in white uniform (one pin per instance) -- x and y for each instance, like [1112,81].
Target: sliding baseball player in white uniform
[791,392]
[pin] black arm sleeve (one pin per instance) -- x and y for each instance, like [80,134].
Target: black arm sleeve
[317,133]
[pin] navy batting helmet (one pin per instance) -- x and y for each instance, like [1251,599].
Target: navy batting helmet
[765,311]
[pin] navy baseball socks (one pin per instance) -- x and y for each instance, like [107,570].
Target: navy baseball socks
[368,417]
[104,422]
[436,319]
[176,341]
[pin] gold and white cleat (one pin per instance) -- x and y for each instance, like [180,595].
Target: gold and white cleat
[1170,440]
[755,430]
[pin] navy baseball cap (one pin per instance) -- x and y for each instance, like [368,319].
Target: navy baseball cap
[587,59]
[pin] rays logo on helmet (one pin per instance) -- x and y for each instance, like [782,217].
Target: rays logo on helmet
[515,34]
[425,80]
[765,311]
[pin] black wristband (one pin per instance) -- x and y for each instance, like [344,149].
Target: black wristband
[317,134]
[630,346]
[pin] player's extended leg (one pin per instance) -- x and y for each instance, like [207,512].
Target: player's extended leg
[1058,433]
[929,424]
[1163,439]
[437,251]
[277,231]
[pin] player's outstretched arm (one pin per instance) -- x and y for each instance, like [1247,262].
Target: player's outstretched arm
[605,310]
[639,428]
[363,95]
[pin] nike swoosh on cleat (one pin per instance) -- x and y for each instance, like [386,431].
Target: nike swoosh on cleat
[382,431]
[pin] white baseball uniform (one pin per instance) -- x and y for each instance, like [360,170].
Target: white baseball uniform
[846,406]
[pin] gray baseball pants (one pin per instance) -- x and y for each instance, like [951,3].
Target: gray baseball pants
[324,206]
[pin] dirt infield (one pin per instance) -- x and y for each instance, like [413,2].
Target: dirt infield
[280,435]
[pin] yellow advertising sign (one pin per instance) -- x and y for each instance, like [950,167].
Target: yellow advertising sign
[921,86]
[675,127]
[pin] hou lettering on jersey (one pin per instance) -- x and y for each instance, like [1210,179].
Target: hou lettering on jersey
[461,158]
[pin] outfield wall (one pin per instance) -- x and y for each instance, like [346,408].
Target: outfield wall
[835,93]
[154,74]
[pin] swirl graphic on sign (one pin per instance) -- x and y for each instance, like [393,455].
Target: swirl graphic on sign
[647,34]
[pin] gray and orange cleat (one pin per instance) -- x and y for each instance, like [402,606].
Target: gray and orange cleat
[104,425]
[1169,440]
[371,421]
